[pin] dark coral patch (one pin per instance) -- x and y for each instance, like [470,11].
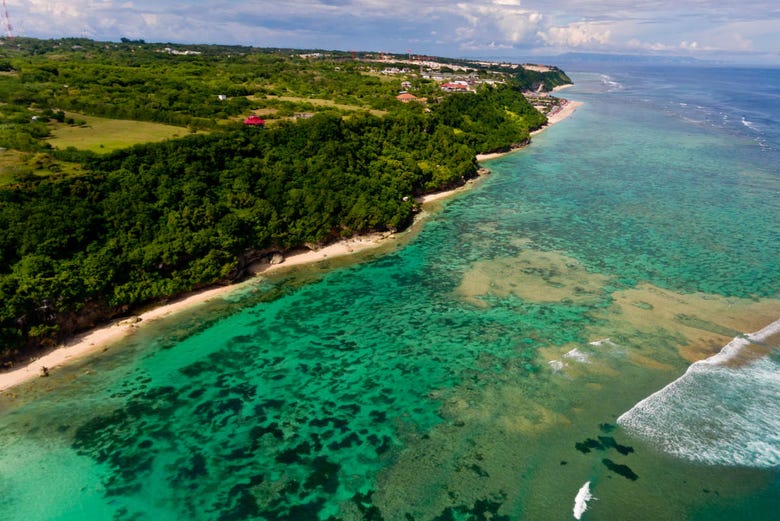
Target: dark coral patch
[623,470]
[325,475]
[588,445]
[610,443]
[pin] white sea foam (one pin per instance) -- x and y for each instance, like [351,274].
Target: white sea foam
[602,342]
[578,356]
[581,500]
[610,83]
[718,413]
[556,365]
[693,121]
[749,124]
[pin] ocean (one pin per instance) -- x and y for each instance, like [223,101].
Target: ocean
[591,332]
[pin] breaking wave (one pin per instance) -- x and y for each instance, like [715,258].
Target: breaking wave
[581,501]
[724,410]
[578,356]
[749,124]
[610,83]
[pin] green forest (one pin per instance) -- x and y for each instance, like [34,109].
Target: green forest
[86,236]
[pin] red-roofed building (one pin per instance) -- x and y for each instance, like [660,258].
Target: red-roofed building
[458,86]
[255,121]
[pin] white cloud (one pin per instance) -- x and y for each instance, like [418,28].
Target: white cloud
[673,26]
[741,43]
[638,45]
[578,34]
[496,24]
[150,19]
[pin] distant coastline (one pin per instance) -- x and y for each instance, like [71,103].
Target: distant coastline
[101,338]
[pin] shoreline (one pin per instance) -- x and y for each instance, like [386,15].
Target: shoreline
[101,338]
[566,110]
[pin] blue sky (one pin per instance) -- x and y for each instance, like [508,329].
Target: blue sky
[732,30]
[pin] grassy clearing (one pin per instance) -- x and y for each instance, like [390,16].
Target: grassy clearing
[102,135]
[319,102]
[15,165]
[9,164]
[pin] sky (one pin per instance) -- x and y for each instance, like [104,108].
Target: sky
[727,30]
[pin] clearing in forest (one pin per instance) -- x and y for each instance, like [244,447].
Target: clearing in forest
[102,135]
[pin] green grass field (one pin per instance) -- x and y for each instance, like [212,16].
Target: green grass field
[102,135]
[15,165]
[318,102]
[9,162]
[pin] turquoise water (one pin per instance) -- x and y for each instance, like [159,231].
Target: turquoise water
[478,370]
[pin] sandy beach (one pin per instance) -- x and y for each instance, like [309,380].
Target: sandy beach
[566,109]
[102,337]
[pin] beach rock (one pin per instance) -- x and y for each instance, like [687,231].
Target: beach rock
[276,258]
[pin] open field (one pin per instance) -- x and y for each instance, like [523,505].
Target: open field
[9,161]
[102,135]
[318,102]
[15,165]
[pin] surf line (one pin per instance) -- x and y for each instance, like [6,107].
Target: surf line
[729,352]
[738,344]
[740,361]
[581,500]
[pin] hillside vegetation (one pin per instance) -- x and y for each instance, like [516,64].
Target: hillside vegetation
[94,225]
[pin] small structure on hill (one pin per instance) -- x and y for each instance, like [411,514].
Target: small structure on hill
[455,86]
[405,97]
[255,121]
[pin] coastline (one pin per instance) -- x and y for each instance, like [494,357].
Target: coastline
[566,109]
[102,337]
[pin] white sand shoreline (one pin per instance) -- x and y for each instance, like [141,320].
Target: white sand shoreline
[102,337]
[567,109]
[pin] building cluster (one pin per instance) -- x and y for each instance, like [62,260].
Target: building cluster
[388,71]
[180,53]
[455,86]
[448,82]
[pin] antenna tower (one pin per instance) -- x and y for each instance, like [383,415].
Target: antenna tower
[9,29]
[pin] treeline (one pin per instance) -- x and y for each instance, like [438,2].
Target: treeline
[145,83]
[140,81]
[491,121]
[156,220]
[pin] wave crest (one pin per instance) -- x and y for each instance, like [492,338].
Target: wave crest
[581,500]
[724,410]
